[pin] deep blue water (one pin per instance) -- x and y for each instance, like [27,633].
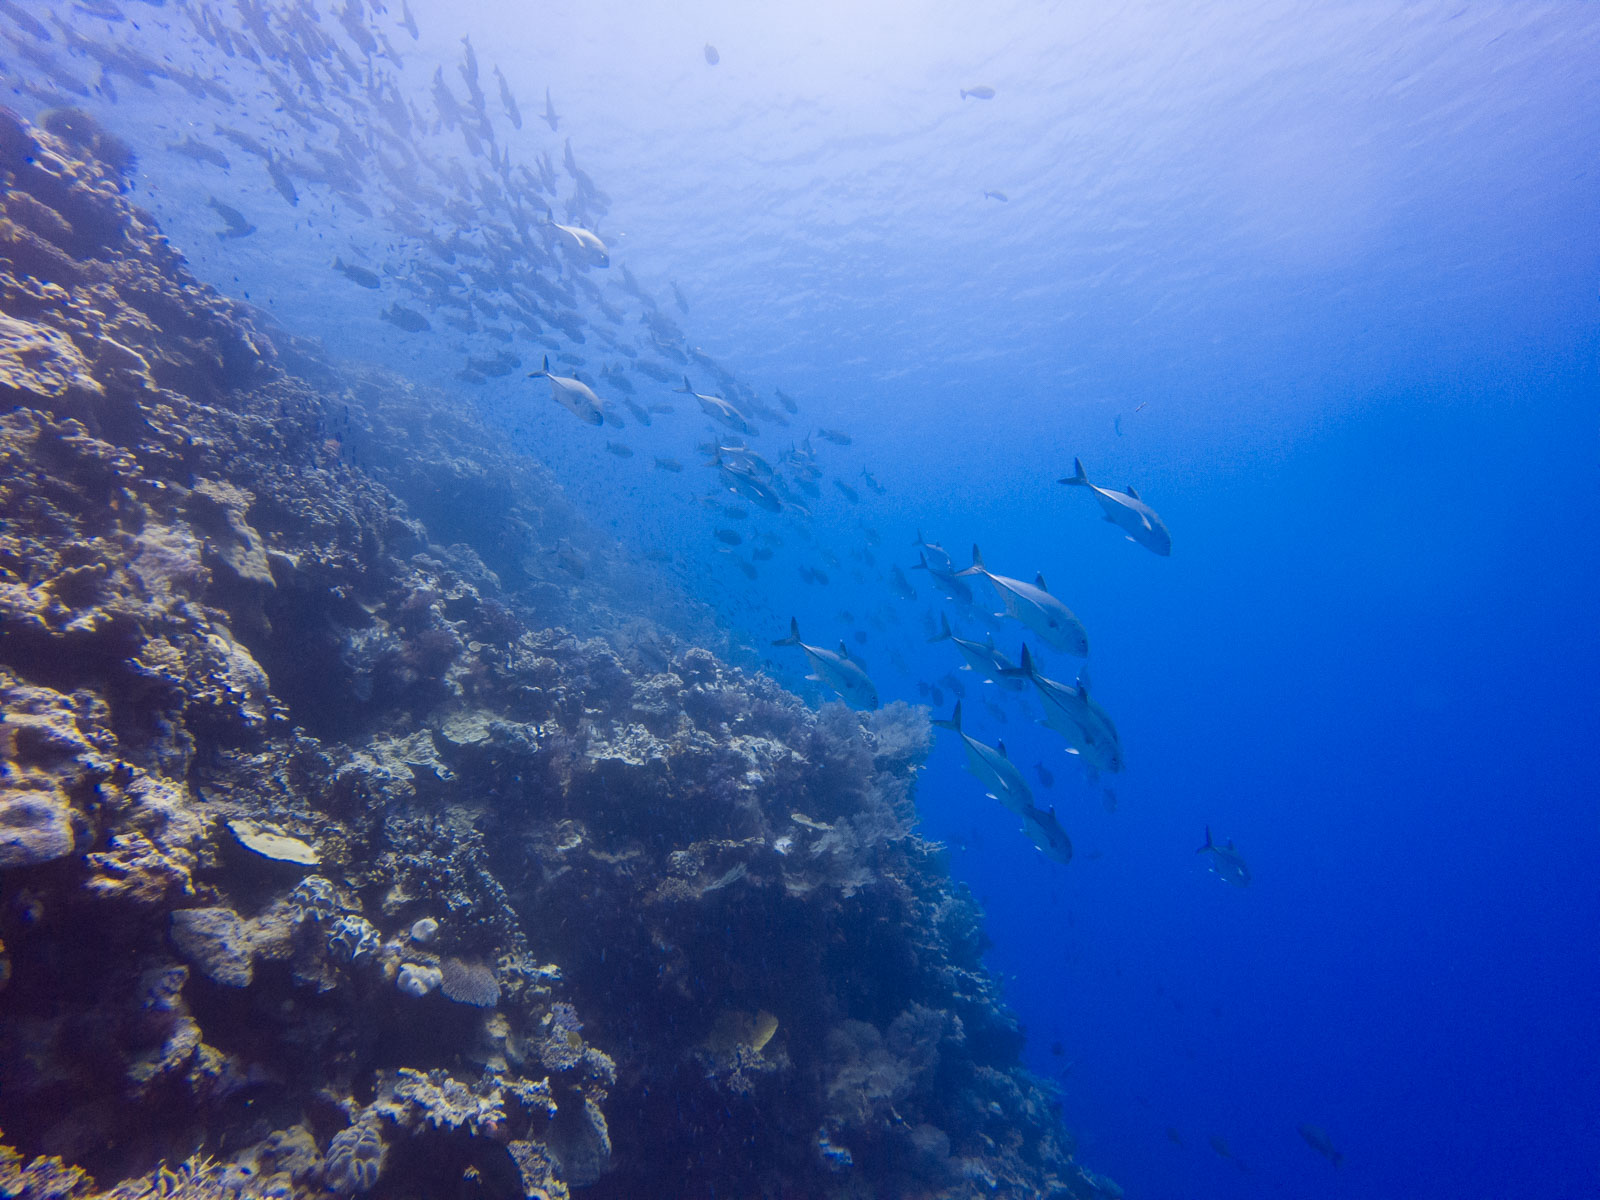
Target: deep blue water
[1322,282]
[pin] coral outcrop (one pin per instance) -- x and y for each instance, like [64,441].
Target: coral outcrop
[350,844]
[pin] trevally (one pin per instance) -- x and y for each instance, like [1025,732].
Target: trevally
[981,657]
[989,764]
[1075,716]
[1034,606]
[1226,862]
[1045,832]
[835,668]
[718,409]
[574,395]
[1126,511]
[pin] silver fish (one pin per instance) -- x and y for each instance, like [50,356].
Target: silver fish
[1045,832]
[1035,607]
[989,764]
[1127,512]
[573,395]
[835,668]
[1072,713]
[588,245]
[982,657]
[718,409]
[1226,862]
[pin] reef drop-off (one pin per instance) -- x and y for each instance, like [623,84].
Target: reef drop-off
[353,843]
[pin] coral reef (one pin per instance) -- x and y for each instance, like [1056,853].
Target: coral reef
[349,846]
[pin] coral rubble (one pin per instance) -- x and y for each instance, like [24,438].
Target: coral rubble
[349,846]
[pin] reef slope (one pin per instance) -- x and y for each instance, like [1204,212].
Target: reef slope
[359,836]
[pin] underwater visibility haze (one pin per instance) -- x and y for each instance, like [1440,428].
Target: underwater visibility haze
[881,599]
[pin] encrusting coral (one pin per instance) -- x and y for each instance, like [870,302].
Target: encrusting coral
[350,844]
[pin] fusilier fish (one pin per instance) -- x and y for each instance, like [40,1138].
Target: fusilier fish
[357,275]
[1226,863]
[1035,607]
[837,669]
[550,116]
[1126,511]
[573,395]
[982,92]
[989,764]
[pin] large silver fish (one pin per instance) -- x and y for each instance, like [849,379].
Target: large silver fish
[1035,607]
[718,409]
[1045,832]
[1076,716]
[1226,862]
[1126,511]
[982,657]
[835,668]
[586,244]
[574,395]
[989,764]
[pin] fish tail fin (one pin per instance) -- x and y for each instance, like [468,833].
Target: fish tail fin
[685,389]
[944,633]
[1025,669]
[543,370]
[1079,477]
[953,721]
[922,563]
[794,635]
[977,567]
[1210,845]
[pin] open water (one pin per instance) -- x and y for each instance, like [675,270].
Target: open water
[1321,281]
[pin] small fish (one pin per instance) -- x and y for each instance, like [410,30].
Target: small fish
[359,275]
[838,670]
[789,406]
[508,101]
[761,553]
[900,585]
[1174,1136]
[669,464]
[1317,1138]
[193,147]
[730,537]
[837,436]
[712,57]
[406,318]
[549,114]
[238,226]
[1226,862]
[749,569]
[1127,512]
[1000,196]
[1045,832]
[281,180]
[849,492]
[718,409]
[872,482]
[1043,772]
[620,449]
[1035,607]
[572,394]
[982,92]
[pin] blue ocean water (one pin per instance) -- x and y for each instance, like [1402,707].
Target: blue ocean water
[1320,281]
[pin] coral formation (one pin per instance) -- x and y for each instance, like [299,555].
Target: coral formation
[591,907]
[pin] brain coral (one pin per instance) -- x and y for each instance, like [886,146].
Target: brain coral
[355,1156]
[469,983]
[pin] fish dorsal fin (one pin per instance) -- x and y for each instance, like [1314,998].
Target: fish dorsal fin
[988,640]
[1001,746]
[1083,682]
[1026,660]
[1132,493]
[1038,582]
[955,718]
[844,651]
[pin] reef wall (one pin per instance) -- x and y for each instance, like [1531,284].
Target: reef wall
[359,836]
